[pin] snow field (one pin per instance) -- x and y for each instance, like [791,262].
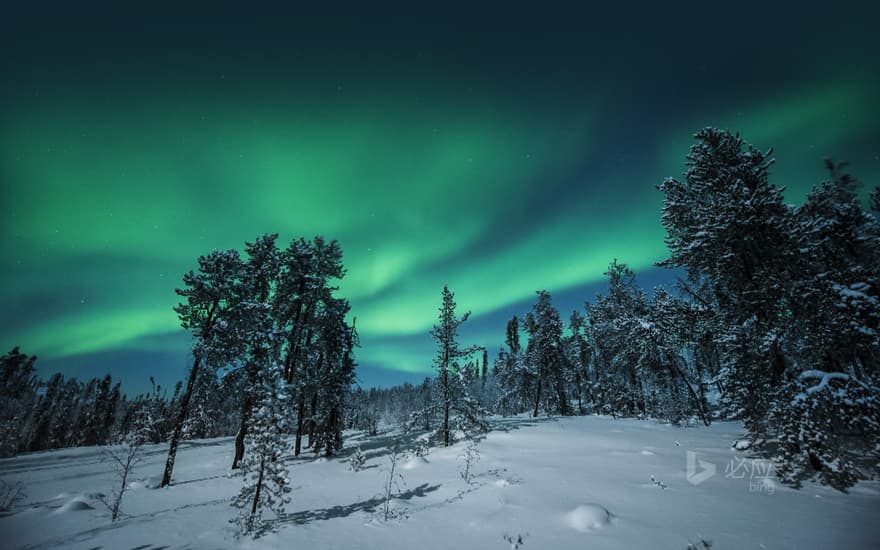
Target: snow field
[581,482]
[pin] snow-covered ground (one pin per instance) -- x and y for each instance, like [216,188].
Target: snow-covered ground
[588,482]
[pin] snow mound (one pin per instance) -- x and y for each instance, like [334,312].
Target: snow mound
[587,517]
[414,463]
[75,504]
[741,444]
[646,452]
[146,483]
[502,483]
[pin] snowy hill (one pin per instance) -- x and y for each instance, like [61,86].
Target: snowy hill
[583,482]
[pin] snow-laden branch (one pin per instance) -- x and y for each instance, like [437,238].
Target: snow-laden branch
[824,379]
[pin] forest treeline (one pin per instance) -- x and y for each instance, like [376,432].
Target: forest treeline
[774,321]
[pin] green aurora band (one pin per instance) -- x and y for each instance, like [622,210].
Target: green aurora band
[110,193]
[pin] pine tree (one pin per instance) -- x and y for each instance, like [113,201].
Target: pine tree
[837,296]
[66,407]
[613,318]
[546,353]
[675,388]
[828,418]
[515,376]
[784,303]
[95,424]
[17,398]
[211,295]
[728,224]
[579,356]
[41,436]
[205,407]
[453,406]
[259,281]
[335,376]
[266,485]
[304,292]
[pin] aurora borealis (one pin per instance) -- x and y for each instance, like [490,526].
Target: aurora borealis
[498,152]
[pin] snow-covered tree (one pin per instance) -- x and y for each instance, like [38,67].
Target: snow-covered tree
[265,478]
[836,303]
[728,224]
[452,408]
[516,377]
[101,413]
[612,318]
[786,303]
[643,354]
[828,426]
[17,398]
[206,407]
[254,315]
[335,375]
[123,456]
[827,416]
[546,353]
[211,294]
[304,294]
[42,434]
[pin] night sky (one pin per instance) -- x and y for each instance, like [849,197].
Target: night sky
[500,150]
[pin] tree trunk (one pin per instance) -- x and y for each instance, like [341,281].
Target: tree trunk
[446,396]
[257,492]
[560,394]
[181,419]
[295,339]
[300,413]
[445,408]
[580,390]
[242,432]
[314,412]
[701,387]
[537,398]
[704,415]
[247,404]
[333,442]
[778,362]
[294,332]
